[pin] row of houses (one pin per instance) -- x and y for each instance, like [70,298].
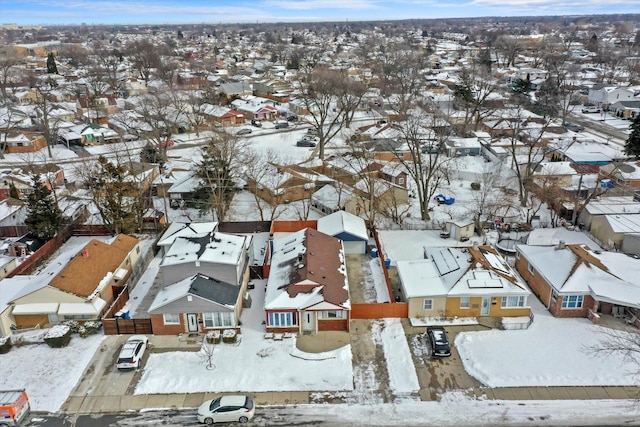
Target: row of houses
[206,274]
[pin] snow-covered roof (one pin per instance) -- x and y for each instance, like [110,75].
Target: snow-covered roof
[186,229]
[82,309]
[612,205]
[624,223]
[202,290]
[343,222]
[307,270]
[420,278]
[215,247]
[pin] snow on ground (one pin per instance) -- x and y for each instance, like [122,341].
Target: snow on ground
[409,244]
[252,365]
[402,374]
[514,358]
[48,374]
[552,352]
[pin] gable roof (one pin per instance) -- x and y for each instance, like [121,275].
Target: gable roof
[204,291]
[459,272]
[343,222]
[307,268]
[607,276]
[86,271]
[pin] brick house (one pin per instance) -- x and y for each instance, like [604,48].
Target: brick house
[575,281]
[462,282]
[307,288]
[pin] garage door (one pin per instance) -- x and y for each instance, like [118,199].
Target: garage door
[354,247]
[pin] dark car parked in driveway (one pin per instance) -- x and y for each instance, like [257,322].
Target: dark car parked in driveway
[305,143]
[256,123]
[439,341]
[282,125]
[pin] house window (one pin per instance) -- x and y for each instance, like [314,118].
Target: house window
[511,302]
[400,180]
[572,301]
[332,314]
[465,302]
[531,270]
[218,320]
[137,249]
[427,304]
[283,319]
[171,319]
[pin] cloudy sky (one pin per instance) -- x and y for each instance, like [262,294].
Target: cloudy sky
[215,11]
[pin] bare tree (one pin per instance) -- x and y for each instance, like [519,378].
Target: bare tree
[44,86]
[262,176]
[471,93]
[8,61]
[321,91]
[144,56]
[621,343]
[424,148]
[509,48]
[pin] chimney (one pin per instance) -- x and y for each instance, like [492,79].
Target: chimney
[475,245]
[300,257]
[85,253]
[562,244]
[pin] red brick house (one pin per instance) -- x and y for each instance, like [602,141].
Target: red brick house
[575,281]
[307,288]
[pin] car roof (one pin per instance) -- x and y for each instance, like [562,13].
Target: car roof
[233,400]
[135,338]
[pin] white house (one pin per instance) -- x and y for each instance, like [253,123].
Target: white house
[605,95]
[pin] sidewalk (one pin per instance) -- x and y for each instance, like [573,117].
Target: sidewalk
[104,390]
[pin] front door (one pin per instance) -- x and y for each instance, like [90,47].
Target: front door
[486,306]
[307,321]
[192,322]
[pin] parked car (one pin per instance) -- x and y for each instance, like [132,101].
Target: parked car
[590,109]
[168,143]
[439,341]
[256,123]
[244,131]
[233,408]
[292,118]
[446,200]
[282,125]
[573,127]
[312,131]
[305,143]
[131,353]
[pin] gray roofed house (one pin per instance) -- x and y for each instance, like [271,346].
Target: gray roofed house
[196,304]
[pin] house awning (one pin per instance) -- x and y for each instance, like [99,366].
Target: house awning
[35,308]
[82,309]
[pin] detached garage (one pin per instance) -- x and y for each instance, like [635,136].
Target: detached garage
[347,227]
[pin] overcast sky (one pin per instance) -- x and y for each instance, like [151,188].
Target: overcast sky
[25,12]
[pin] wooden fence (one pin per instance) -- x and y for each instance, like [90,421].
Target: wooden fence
[116,326]
[44,252]
[380,310]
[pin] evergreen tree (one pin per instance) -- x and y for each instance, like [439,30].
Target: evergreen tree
[52,68]
[217,173]
[632,147]
[44,217]
[13,191]
[150,154]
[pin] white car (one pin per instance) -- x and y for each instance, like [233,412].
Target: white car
[131,353]
[225,409]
